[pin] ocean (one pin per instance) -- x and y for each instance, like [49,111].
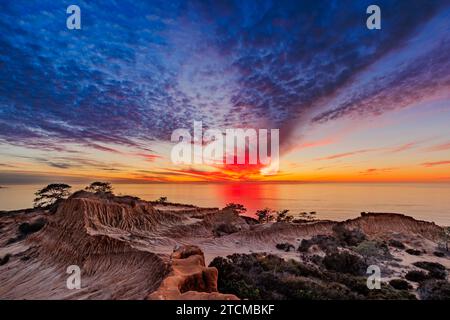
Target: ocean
[335,201]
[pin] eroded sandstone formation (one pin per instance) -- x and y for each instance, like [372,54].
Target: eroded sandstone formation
[124,246]
[190,279]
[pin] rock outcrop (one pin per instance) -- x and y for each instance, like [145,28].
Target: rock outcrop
[190,279]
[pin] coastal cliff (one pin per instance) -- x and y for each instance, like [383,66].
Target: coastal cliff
[124,247]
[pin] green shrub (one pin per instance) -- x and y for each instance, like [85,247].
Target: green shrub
[373,250]
[345,262]
[348,237]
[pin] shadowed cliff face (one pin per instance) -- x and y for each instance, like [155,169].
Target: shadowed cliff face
[87,233]
[124,247]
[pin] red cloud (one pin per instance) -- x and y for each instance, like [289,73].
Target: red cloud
[148,156]
[403,147]
[376,170]
[439,147]
[436,163]
[346,154]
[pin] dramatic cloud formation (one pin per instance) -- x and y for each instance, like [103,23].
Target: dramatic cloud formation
[138,70]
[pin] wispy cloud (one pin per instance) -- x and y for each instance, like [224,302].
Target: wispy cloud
[148,156]
[439,147]
[372,171]
[394,149]
[404,147]
[148,76]
[139,70]
[436,163]
[7,165]
[346,154]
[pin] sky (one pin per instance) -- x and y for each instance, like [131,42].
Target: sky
[351,104]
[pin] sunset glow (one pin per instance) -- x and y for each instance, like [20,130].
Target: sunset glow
[378,112]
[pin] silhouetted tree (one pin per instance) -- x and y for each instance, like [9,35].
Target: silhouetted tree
[283,216]
[236,207]
[100,187]
[265,215]
[48,196]
[162,200]
[310,216]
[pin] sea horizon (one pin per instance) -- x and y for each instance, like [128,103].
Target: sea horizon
[330,200]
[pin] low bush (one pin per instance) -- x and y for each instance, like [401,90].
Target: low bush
[414,252]
[373,251]
[396,244]
[439,254]
[285,246]
[348,237]
[434,290]
[416,276]
[268,277]
[345,262]
[400,284]
[436,270]
[325,243]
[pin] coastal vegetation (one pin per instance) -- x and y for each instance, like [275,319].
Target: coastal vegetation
[50,194]
[339,274]
[260,276]
[279,262]
[236,207]
[100,187]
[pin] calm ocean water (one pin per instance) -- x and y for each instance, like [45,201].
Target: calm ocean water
[337,201]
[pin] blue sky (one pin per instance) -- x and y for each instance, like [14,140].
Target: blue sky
[106,98]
